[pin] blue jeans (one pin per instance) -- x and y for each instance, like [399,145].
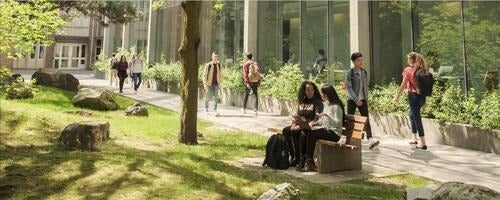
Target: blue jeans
[136,79]
[212,91]
[416,102]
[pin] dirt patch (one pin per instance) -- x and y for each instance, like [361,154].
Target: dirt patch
[79,112]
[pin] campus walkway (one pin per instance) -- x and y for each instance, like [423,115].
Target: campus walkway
[440,163]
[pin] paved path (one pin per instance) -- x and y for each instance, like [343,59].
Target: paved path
[441,163]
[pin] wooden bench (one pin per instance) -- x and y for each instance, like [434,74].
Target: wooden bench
[333,156]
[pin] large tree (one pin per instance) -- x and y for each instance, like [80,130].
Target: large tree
[189,83]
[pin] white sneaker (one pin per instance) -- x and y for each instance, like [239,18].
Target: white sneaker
[244,111]
[256,113]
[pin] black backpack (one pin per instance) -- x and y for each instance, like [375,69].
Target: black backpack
[114,64]
[277,152]
[424,82]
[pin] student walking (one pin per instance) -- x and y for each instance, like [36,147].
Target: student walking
[113,71]
[356,84]
[309,104]
[320,62]
[252,78]
[211,81]
[122,71]
[416,99]
[328,126]
[136,69]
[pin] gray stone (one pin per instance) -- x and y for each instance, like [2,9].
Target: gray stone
[462,191]
[68,82]
[46,78]
[136,110]
[95,99]
[420,193]
[284,191]
[85,135]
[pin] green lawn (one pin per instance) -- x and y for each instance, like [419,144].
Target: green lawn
[143,159]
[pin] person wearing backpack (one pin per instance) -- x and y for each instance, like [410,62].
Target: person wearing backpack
[418,82]
[356,86]
[211,81]
[113,71]
[252,78]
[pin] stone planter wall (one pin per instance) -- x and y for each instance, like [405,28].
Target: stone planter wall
[266,104]
[170,87]
[100,75]
[452,134]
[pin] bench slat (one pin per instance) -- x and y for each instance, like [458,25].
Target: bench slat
[275,130]
[330,143]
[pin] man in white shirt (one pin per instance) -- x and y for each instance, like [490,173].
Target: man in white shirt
[136,68]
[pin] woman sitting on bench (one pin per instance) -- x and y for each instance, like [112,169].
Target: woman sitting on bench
[329,125]
[309,103]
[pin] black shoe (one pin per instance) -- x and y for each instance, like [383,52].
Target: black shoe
[310,166]
[413,142]
[423,147]
[300,166]
[294,162]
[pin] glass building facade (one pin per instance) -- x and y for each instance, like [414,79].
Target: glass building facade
[460,40]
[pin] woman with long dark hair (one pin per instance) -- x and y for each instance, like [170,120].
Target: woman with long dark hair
[309,103]
[416,62]
[329,125]
[122,71]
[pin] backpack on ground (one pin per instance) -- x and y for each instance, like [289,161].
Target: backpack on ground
[254,72]
[277,152]
[114,64]
[424,82]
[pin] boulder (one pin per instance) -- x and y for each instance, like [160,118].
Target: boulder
[20,90]
[284,191]
[95,99]
[85,135]
[459,191]
[136,109]
[68,82]
[46,78]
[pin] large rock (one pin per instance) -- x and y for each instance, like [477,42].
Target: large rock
[68,82]
[462,191]
[46,78]
[95,99]
[136,110]
[284,191]
[85,135]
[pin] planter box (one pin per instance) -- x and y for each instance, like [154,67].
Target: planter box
[170,87]
[452,134]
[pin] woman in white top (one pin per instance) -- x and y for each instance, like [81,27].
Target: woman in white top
[136,69]
[329,125]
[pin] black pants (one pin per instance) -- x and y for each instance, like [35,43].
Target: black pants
[319,134]
[122,81]
[363,110]
[296,140]
[253,87]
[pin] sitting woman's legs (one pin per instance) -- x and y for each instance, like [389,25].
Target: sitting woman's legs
[292,139]
[319,134]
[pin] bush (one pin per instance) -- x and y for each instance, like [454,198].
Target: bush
[5,79]
[232,78]
[381,99]
[284,83]
[165,72]
[20,90]
[490,111]
[101,64]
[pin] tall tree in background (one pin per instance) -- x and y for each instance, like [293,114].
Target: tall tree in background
[22,25]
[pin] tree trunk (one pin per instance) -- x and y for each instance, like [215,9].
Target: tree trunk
[189,82]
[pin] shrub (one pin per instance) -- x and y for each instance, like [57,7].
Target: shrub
[5,79]
[101,64]
[20,89]
[490,111]
[284,83]
[165,72]
[233,79]
[381,99]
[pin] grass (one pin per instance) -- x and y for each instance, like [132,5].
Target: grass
[143,159]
